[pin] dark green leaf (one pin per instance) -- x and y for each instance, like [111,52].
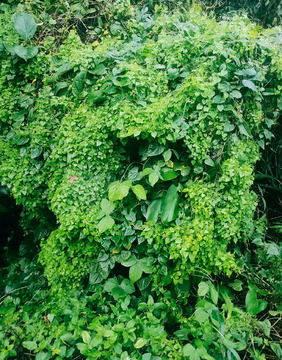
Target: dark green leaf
[154,210]
[169,206]
[35,153]
[143,283]
[182,334]
[169,174]
[253,305]
[78,83]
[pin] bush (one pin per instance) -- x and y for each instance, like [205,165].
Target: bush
[142,144]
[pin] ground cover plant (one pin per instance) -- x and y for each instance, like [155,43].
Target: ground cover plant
[131,158]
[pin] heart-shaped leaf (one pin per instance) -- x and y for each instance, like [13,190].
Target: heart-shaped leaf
[25,26]
[26,53]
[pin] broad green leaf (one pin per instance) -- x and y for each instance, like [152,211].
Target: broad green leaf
[228,127]
[139,191]
[86,337]
[134,175]
[135,272]
[169,206]
[154,210]
[147,264]
[253,305]
[100,69]
[143,283]
[107,206]
[249,84]
[183,288]
[153,178]
[273,250]
[146,172]
[214,295]
[106,223]
[127,286]
[190,351]
[64,69]
[118,191]
[243,131]
[140,343]
[30,345]
[268,134]
[203,288]
[59,86]
[108,333]
[218,100]
[118,292]
[51,317]
[185,171]
[23,151]
[249,72]
[154,149]
[236,94]
[97,340]
[35,153]
[95,95]
[42,356]
[277,350]
[83,348]
[78,83]
[237,285]
[147,356]
[265,326]
[129,261]
[111,284]
[209,162]
[169,174]
[68,337]
[182,334]
[201,315]
[167,155]
[26,53]
[25,26]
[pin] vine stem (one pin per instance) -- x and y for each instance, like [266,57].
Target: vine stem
[24,287]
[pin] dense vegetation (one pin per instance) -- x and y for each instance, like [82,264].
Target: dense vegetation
[129,140]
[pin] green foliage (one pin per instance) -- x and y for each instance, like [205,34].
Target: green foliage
[142,146]
[267,13]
